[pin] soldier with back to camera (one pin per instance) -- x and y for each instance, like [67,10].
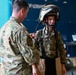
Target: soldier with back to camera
[19,55]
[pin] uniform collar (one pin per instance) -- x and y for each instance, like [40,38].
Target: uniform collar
[13,18]
[51,33]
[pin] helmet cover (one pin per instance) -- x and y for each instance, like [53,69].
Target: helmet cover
[48,10]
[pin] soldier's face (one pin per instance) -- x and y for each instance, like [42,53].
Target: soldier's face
[24,14]
[51,21]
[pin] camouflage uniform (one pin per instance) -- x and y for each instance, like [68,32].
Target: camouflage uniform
[17,49]
[49,44]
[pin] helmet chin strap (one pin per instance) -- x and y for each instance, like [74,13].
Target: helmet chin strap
[46,31]
[47,27]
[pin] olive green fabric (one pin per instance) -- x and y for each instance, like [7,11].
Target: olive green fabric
[49,44]
[17,49]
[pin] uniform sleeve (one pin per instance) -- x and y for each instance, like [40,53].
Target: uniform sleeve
[36,39]
[61,49]
[25,46]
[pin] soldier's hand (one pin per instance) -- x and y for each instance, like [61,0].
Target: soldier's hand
[35,70]
[32,35]
[63,69]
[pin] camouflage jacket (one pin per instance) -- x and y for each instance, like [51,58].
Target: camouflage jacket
[49,44]
[17,49]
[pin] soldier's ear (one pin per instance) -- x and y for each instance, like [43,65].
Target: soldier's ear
[22,11]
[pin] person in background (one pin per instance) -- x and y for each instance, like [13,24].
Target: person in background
[49,41]
[19,55]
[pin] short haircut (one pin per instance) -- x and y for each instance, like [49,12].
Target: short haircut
[19,4]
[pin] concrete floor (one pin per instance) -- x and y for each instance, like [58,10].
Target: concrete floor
[71,72]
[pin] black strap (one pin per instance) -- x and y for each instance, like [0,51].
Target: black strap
[42,50]
[56,37]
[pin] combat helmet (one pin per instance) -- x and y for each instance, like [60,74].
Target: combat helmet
[47,10]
